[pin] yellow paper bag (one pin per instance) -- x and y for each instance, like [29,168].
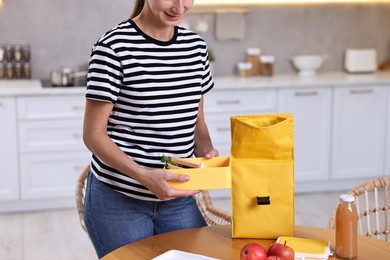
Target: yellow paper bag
[262,172]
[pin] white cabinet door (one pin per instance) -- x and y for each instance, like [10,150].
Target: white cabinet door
[359,132]
[51,135]
[9,176]
[311,109]
[51,175]
[51,107]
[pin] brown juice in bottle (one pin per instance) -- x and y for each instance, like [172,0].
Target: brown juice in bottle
[346,228]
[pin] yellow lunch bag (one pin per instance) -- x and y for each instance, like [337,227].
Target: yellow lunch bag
[262,173]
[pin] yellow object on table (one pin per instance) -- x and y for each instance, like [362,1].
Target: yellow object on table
[307,248]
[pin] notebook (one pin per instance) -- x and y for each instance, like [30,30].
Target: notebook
[305,248]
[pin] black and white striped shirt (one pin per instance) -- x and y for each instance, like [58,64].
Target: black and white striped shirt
[155,88]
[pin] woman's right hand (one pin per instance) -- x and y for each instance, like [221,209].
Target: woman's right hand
[157,181]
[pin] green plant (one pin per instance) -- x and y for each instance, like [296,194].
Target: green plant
[211,55]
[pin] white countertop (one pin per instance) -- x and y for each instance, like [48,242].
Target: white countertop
[34,87]
[295,81]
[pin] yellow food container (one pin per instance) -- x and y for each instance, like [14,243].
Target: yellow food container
[214,175]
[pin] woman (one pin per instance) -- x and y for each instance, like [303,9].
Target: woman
[146,81]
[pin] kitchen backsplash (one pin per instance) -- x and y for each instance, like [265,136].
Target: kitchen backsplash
[61,33]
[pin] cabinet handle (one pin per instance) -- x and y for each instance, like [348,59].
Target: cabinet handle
[77,135]
[78,168]
[361,91]
[223,129]
[228,102]
[306,93]
[78,107]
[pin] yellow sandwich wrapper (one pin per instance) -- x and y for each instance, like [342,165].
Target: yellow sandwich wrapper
[214,175]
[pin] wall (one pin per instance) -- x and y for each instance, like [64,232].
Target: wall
[61,33]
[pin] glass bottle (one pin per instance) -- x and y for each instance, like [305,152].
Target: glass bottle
[346,228]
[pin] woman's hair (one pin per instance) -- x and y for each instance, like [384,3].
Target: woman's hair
[139,4]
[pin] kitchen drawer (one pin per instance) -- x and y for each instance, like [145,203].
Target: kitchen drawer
[51,175]
[237,101]
[53,135]
[51,107]
[219,127]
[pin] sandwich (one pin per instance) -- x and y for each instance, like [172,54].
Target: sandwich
[178,163]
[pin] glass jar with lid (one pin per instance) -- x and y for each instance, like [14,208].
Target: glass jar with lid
[253,56]
[9,70]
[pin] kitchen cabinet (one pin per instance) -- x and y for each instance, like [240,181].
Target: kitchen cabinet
[51,149]
[342,126]
[9,176]
[311,108]
[359,131]
[42,152]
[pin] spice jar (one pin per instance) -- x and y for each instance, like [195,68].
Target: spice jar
[25,52]
[2,50]
[26,70]
[9,70]
[253,55]
[8,55]
[244,69]
[2,70]
[17,53]
[18,71]
[346,228]
[267,62]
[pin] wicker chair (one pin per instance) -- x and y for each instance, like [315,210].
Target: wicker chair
[373,209]
[212,215]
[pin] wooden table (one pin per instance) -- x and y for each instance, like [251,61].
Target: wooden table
[216,241]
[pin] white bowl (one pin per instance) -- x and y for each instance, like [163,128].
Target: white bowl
[308,64]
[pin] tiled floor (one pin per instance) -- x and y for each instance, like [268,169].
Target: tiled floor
[50,235]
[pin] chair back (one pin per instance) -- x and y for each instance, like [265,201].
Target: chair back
[372,204]
[212,215]
[80,194]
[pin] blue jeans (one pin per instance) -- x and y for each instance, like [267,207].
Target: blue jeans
[113,219]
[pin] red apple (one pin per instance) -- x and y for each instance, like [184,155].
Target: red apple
[253,251]
[281,250]
[274,257]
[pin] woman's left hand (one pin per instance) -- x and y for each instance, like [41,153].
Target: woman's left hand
[213,153]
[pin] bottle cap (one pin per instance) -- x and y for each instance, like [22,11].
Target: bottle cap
[347,198]
[267,59]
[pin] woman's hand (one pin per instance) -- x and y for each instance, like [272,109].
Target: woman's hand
[157,181]
[213,153]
